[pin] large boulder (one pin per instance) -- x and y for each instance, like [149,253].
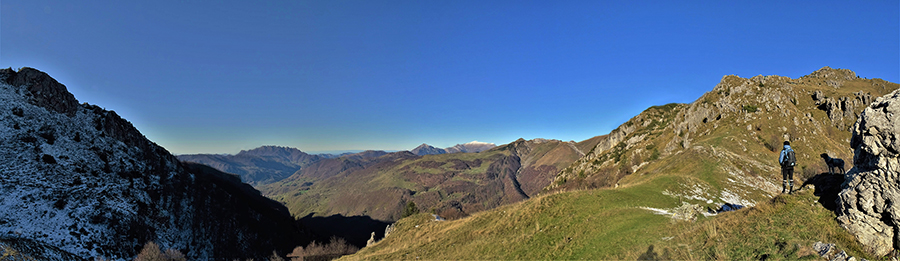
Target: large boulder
[869,202]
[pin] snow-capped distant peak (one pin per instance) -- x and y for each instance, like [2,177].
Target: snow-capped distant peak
[475,142]
[474,146]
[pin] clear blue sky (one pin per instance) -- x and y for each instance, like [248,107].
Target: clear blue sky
[221,76]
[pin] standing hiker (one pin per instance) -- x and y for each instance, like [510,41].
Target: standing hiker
[787,159]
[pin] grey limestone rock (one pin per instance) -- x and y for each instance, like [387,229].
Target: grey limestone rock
[371,240]
[869,202]
[818,97]
[831,252]
[842,110]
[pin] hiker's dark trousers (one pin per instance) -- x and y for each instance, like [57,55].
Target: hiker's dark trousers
[787,173]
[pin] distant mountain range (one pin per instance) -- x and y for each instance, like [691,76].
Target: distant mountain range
[474,146]
[453,181]
[261,165]
[452,185]
[269,164]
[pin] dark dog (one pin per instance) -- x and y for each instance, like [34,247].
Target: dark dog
[833,163]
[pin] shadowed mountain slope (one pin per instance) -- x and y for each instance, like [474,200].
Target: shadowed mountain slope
[79,181]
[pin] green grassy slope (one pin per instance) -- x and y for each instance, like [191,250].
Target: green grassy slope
[607,224]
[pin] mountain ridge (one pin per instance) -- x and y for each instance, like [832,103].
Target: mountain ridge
[468,147]
[271,163]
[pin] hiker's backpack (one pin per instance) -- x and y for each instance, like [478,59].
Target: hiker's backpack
[789,159]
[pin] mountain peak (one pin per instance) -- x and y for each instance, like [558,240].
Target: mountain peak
[44,90]
[426,149]
[831,73]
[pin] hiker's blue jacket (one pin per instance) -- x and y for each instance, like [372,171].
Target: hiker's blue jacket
[783,155]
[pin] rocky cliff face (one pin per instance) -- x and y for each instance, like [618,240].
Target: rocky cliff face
[79,179]
[869,203]
[841,111]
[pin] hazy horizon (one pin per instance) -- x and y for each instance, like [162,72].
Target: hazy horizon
[357,75]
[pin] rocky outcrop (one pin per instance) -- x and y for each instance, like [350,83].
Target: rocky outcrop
[833,77]
[841,110]
[831,252]
[869,203]
[831,73]
[604,157]
[43,90]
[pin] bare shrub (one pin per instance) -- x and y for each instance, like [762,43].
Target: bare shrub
[773,143]
[152,252]
[337,247]
[275,257]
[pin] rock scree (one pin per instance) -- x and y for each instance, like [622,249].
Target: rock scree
[868,205]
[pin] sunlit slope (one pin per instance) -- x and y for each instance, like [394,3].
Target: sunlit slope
[727,142]
[722,148]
